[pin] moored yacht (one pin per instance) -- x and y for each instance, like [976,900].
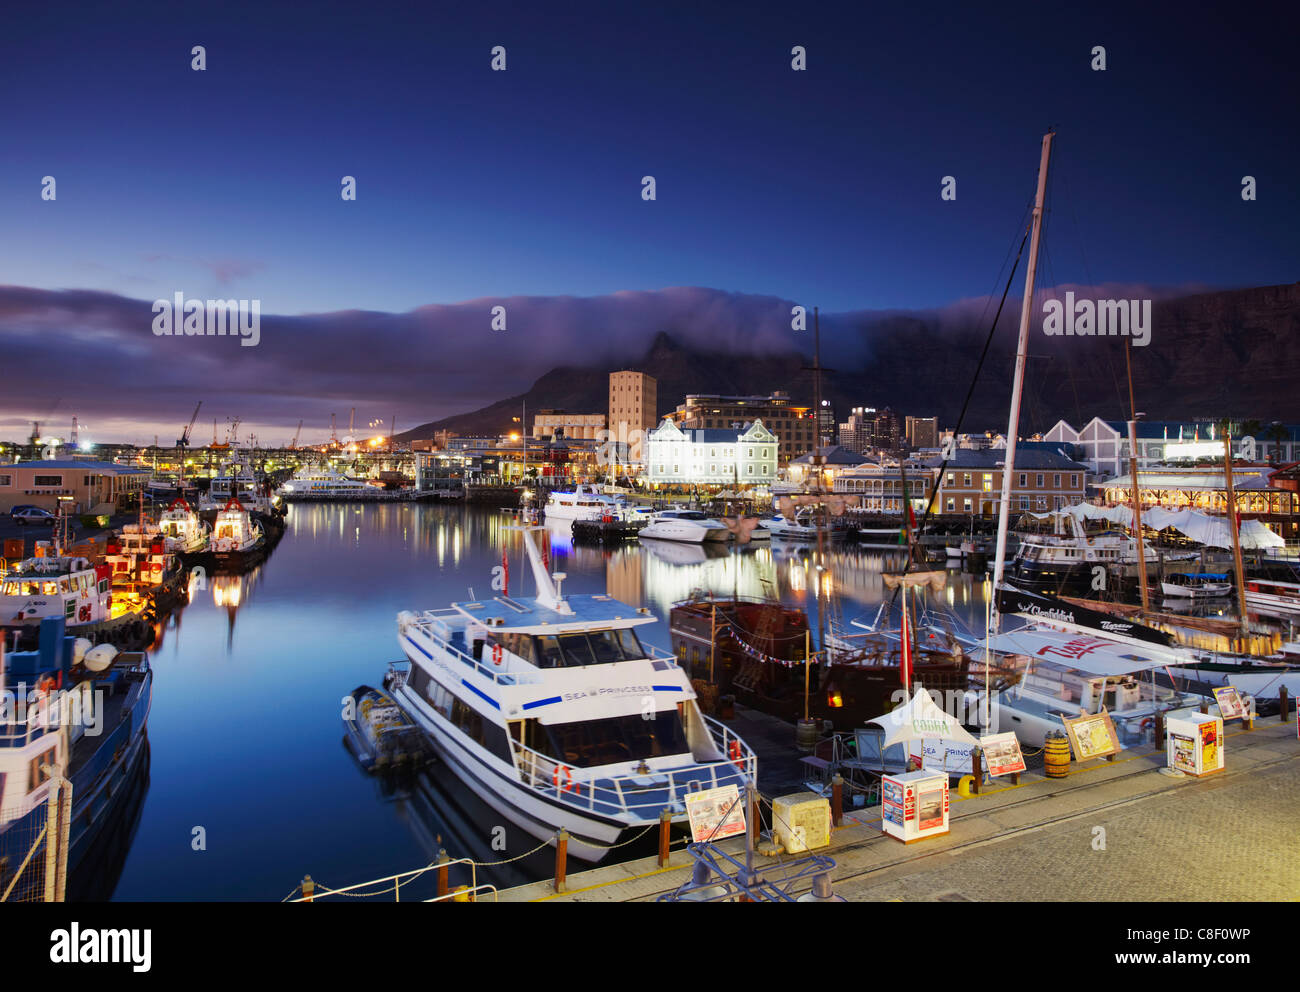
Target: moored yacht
[556,715]
[1196,585]
[680,524]
[324,482]
[584,502]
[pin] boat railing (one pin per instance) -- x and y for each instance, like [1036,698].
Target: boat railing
[429,622]
[642,796]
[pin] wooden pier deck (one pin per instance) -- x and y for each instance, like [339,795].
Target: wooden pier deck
[1109,830]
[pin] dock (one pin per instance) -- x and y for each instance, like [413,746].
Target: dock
[1117,830]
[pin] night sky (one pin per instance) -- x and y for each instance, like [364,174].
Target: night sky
[773,186]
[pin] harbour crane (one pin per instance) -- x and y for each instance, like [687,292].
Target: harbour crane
[183,441]
[293,445]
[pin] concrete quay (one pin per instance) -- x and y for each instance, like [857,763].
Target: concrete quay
[1109,831]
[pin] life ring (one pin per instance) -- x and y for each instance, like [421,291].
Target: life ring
[496,654]
[568,784]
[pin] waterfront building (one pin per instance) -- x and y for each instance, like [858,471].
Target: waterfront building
[878,486]
[1258,495]
[633,410]
[792,425]
[92,486]
[711,456]
[575,426]
[1045,478]
[835,459]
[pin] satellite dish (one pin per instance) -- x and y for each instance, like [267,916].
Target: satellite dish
[50,452]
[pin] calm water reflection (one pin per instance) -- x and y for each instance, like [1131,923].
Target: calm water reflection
[246,730]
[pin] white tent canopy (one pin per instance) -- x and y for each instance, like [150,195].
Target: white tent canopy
[1081,652]
[1204,528]
[921,719]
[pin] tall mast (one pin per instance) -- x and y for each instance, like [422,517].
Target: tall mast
[1013,425]
[817,466]
[1236,536]
[1133,473]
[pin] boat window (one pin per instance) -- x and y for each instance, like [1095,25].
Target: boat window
[49,588]
[630,644]
[576,649]
[548,652]
[517,644]
[624,738]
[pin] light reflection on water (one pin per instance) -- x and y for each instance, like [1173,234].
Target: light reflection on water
[245,726]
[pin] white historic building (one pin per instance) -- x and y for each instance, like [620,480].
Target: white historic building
[711,456]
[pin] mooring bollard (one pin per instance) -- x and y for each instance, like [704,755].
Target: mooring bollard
[1205,706]
[1159,730]
[442,872]
[977,772]
[308,889]
[665,827]
[1281,698]
[561,858]
[837,799]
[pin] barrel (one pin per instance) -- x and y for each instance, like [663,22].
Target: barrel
[805,736]
[1056,755]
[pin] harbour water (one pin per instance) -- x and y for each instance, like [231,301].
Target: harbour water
[250,784]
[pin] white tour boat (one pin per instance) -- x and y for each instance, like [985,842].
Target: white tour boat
[553,712]
[318,482]
[585,502]
[685,525]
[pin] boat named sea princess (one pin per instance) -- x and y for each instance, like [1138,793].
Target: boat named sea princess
[553,712]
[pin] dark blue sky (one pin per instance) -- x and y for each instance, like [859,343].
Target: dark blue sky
[820,186]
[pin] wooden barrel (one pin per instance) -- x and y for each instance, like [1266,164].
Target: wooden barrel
[805,735]
[1056,755]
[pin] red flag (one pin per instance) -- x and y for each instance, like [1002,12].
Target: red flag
[907,648]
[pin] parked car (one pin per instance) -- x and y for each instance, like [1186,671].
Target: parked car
[31,515]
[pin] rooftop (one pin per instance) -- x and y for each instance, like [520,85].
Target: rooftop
[525,614]
[91,467]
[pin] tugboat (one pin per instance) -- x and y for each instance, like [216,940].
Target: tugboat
[553,712]
[144,570]
[183,532]
[84,713]
[237,541]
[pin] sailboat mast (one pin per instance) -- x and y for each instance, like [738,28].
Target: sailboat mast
[1237,565]
[1133,472]
[1013,425]
[818,459]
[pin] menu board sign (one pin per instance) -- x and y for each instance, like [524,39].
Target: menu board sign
[1092,735]
[716,814]
[1002,754]
[1231,706]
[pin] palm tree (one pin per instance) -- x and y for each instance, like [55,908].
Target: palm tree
[1279,435]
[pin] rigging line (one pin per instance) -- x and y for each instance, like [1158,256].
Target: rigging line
[988,341]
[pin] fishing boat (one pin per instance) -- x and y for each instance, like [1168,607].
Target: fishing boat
[82,711]
[78,592]
[380,736]
[680,524]
[553,712]
[1196,585]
